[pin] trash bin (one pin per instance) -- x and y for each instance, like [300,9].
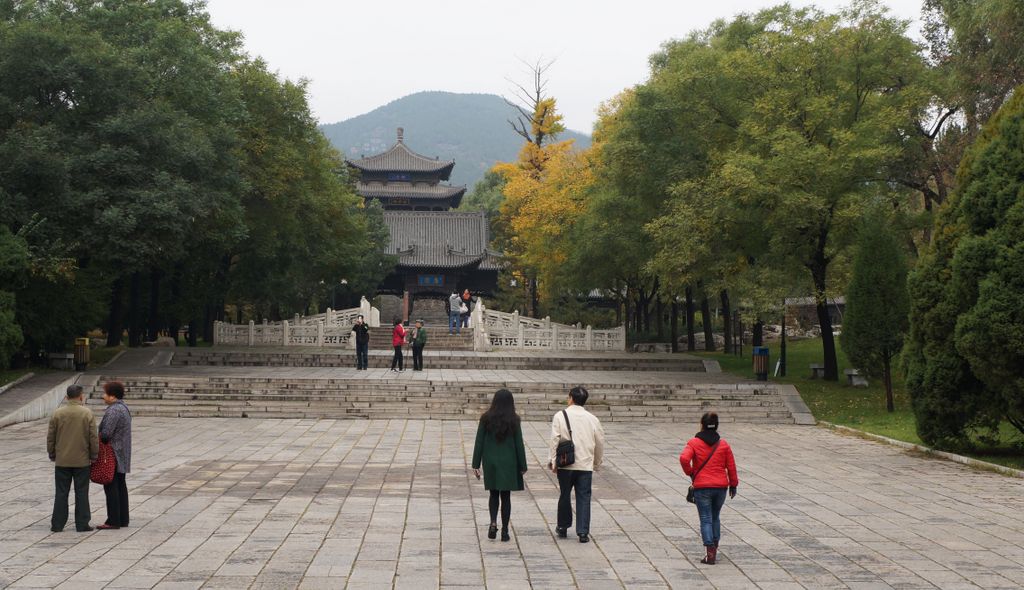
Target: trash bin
[81,353]
[761,363]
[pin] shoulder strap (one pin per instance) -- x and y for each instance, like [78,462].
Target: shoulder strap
[713,449]
[567,425]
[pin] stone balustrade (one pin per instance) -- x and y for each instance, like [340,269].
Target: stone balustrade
[501,330]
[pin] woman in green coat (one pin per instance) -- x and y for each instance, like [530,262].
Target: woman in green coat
[499,448]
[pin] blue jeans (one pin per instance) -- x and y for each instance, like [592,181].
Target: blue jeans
[709,507]
[453,323]
[581,481]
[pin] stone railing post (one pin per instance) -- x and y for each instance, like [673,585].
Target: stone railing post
[622,337]
[252,333]
[590,338]
[476,317]
[320,333]
[364,308]
[547,322]
[329,317]
[515,318]
[522,336]
[216,329]
[374,318]
[284,332]
[554,336]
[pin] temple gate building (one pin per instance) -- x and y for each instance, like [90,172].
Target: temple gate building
[439,250]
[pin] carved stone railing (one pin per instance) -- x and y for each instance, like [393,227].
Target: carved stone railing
[332,328]
[506,331]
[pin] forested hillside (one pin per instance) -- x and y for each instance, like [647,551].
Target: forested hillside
[471,128]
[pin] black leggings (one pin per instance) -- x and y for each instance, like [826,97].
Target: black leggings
[506,506]
[397,360]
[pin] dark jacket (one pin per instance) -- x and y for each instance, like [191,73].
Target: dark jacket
[362,333]
[71,439]
[420,340]
[504,462]
[116,429]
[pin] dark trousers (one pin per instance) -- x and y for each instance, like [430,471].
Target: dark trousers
[362,354]
[504,497]
[63,477]
[417,358]
[581,481]
[117,501]
[397,360]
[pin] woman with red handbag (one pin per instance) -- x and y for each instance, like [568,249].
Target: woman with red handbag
[116,430]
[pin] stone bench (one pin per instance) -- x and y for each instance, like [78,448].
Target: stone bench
[817,371]
[652,347]
[854,378]
[61,360]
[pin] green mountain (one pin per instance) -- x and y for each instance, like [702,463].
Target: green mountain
[471,128]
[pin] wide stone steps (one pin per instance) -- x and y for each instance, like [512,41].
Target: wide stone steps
[433,360]
[353,398]
[437,339]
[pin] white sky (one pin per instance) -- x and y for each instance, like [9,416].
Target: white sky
[361,54]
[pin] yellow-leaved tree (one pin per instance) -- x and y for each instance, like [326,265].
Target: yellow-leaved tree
[544,191]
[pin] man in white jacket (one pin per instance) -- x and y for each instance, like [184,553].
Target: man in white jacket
[584,430]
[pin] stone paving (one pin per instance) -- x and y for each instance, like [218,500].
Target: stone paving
[235,503]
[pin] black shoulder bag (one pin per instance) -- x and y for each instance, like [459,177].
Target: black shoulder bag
[693,478]
[565,452]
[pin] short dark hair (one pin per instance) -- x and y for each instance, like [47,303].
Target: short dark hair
[396,321]
[579,395]
[359,316]
[709,421]
[114,388]
[74,391]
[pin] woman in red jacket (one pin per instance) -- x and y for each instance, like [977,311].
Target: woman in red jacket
[708,460]
[397,340]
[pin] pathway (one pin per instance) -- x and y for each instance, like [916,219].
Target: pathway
[235,503]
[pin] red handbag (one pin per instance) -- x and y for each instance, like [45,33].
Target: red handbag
[102,469]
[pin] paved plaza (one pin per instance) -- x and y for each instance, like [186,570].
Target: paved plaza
[236,503]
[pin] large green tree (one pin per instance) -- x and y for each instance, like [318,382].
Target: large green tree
[964,356]
[816,108]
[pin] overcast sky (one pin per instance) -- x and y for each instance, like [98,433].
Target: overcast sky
[361,54]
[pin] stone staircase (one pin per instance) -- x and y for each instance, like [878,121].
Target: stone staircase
[435,359]
[437,339]
[271,397]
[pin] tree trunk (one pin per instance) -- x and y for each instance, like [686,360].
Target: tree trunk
[691,337]
[135,310]
[726,321]
[758,337]
[534,303]
[115,323]
[153,325]
[674,322]
[705,316]
[890,405]
[828,341]
[661,324]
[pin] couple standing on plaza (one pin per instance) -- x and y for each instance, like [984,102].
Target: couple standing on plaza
[500,451]
[459,310]
[73,443]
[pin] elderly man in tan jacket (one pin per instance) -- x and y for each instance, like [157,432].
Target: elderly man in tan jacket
[584,430]
[73,444]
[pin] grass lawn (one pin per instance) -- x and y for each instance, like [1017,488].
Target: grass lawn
[102,355]
[12,374]
[862,408]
